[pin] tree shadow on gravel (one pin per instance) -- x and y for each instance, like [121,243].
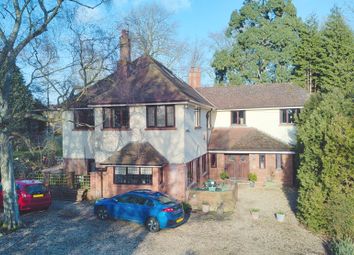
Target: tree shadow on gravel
[291,195]
[72,228]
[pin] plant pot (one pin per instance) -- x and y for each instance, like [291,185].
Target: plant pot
[280,217]
[205,208]
[252,184]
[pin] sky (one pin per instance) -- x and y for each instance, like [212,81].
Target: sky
[197,19]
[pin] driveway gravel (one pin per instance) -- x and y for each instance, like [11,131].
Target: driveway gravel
[71,228]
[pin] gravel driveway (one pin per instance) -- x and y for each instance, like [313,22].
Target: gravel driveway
[71,228]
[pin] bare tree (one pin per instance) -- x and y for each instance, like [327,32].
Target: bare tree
[153,33]
[21,22]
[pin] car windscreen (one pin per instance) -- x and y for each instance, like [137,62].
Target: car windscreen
[165,200]
[36,189]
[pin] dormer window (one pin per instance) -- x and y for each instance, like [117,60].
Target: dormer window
[238,118]
[287,116]
[84,119]
[116,117]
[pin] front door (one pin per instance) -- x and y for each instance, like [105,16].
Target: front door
[237,166]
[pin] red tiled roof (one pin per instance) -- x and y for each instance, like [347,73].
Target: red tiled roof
[141,154]
[148,81]
[244,139]
[255,96]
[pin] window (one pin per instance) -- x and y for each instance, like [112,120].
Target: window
[161,116]
[262,161]
[84,119]
[91,165]
[161,175]
[278,161]
[117,117]
[197,117]
[190,172]
[213,160]
[133,175]
[287,116]
[238,118]
[204,166]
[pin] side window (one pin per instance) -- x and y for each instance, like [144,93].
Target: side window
[149,203]
[123,199]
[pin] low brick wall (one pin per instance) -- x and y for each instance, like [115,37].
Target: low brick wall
[214,199]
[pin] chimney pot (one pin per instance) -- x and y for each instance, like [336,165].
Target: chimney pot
[194,77]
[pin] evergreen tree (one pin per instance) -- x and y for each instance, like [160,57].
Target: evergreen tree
[307,56]
[336,69]
[265,35]
[326,173]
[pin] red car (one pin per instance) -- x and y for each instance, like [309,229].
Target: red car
[32,195]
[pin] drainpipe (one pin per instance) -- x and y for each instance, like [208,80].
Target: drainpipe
[208,118]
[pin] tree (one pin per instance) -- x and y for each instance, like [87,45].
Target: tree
[26,21]
[326,173]
[307,56]
[153,33]
[265,35]
[336,68]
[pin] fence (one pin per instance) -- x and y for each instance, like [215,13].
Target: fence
[69,180]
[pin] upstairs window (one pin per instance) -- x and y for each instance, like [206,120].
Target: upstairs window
[116,117]
[160,116]
[238,118]
[84,119]
[287,116]
[197,117]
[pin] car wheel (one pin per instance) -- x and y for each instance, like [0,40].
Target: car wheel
[102,213]
[152,225]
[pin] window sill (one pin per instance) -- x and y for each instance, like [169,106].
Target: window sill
[160,128]
[238,125]
[115,129]
[198,127]
[83,129]
[286,124]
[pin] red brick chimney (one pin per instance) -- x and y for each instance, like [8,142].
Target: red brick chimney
[124,60]
[194,77]
[124,45]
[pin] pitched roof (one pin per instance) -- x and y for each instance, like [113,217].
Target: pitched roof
[143,154]
[255,96]
[148,82]
[244,139]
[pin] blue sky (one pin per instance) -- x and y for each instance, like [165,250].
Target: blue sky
[197,18]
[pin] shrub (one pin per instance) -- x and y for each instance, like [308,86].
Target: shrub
[343,247]
[252,177]
[224,175]
[186,207]
[340,216]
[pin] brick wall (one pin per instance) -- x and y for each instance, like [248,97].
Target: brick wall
[174,182]
[282,176]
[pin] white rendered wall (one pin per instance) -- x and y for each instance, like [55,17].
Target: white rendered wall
[76,144]
[265,120]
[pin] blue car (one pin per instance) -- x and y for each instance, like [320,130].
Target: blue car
[155,210]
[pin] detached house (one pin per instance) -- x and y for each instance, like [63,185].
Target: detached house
[142,127]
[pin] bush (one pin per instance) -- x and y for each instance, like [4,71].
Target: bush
[224,175]
[340,216]
[186,207]
[252,177]
[343,247]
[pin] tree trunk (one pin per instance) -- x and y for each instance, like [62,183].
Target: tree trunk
[11,217]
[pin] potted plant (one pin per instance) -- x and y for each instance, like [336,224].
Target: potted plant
[280,215]
[224,175]
[252,177]
[205,207]
[255,213]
